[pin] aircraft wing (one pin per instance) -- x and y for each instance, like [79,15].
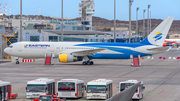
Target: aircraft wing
[87,52]
[159,49]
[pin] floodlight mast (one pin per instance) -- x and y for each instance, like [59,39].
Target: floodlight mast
[144,23]
[137,20]
[114,21]
[130,3]
[148,21]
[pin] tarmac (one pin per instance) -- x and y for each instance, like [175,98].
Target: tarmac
[161,77]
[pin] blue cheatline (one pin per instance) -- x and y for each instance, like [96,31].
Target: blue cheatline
[123,52]
[132,45]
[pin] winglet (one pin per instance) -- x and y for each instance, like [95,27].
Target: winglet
[158,35]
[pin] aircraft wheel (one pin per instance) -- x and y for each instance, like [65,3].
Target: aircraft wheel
[17,62]
[89,63]
[84,63]
[92,62]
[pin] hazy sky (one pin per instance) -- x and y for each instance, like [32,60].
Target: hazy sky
[160,9]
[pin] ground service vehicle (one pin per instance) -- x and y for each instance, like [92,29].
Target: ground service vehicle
[139,92]
[6,91]
[41,86]
[99,89]
[70,88]
[48,98]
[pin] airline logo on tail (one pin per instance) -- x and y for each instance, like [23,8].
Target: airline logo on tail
[158,36]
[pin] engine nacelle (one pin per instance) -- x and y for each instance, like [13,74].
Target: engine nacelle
[164,44]
[68,58]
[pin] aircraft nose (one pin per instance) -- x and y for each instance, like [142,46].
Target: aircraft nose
[6,50]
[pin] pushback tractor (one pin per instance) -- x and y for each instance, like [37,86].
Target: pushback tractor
[99,89]
[126,84]
[70,88]
[41,86]
[6,91]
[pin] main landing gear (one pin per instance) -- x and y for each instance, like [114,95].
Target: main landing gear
[88,63]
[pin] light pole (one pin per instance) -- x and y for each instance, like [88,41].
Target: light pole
[130,3]
[144,23]
[114,21]
[148,20]
[137,21]
[21,22]
[62,20]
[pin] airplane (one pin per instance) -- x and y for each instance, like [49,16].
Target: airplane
[79,51]
[172,41]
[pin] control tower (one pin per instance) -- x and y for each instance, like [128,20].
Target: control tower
[87,8]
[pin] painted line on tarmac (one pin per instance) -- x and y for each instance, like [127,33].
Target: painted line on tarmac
[22,99]
[150,94]
[66,100]
[156,94]
[20,92]
[160,92]
[84,100]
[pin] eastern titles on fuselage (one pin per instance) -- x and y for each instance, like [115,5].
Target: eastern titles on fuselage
[36,45]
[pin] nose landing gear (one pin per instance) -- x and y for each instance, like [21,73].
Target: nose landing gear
[17,61]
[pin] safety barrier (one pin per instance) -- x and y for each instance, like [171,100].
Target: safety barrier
[28,60]
[125,95]
[163,58]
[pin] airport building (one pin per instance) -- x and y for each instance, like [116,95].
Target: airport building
[45,30]
[174,36]
[41,30]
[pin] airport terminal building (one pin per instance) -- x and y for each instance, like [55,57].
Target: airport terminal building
[45,30]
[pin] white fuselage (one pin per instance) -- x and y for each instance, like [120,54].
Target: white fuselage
[111,50]
[176,41]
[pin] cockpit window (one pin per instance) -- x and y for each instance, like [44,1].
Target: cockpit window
[10,46]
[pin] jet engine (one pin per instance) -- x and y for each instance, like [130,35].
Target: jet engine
[68,58]
[164,44]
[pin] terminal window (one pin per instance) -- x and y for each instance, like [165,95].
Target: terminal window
[34,38]
[53,38]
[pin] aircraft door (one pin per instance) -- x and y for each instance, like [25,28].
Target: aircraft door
[20,48]
[52,48]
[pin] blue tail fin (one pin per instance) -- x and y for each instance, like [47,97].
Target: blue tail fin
[158,35]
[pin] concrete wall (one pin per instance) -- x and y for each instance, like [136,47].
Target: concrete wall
[16,23]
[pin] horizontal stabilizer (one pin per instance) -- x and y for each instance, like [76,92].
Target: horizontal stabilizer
[159,49]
